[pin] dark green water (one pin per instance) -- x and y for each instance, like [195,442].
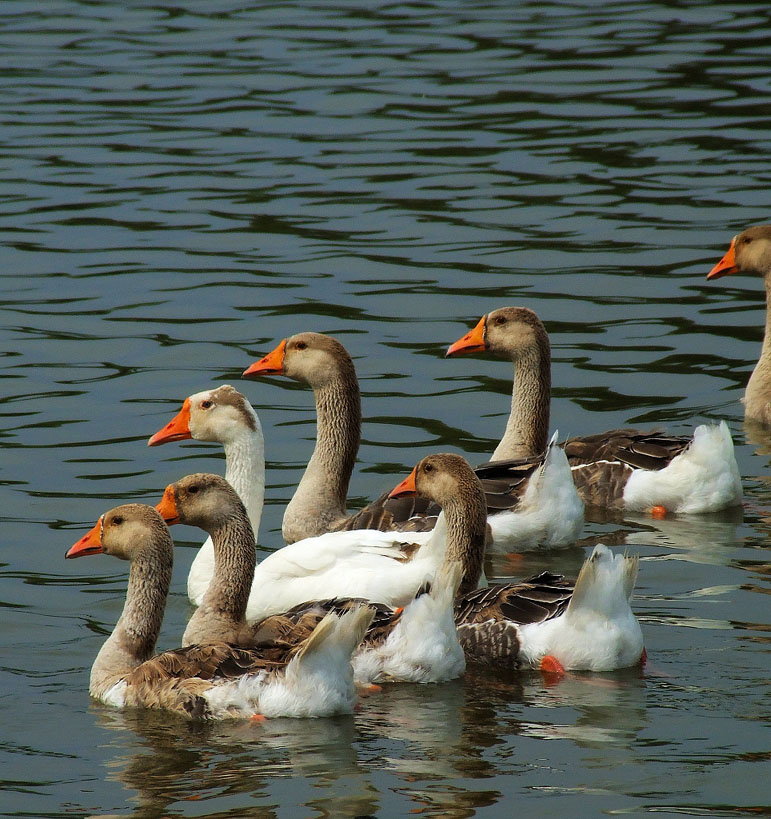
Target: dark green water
[185,185]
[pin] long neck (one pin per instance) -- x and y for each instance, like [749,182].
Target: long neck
[224,605]
[245,472]
[134,637]
[466,522]
[757,397]
[319,503]
[527,429]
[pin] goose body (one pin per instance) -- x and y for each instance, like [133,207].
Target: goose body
[624,469]
[589,626]
[750,252]
[225,416]
[215,681]
[531,502]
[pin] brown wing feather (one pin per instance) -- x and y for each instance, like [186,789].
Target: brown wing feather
[408,514]
[383,622]
[488,619]
[641,450]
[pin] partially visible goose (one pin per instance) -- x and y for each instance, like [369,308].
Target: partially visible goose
[750,252]
[544,622]
[531,502]
[417,643]
[621,468]
[225,416]
[386,567]
[216,681]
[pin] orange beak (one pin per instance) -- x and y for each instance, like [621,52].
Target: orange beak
[90,544]
[727,265]
[271,364]
[472,342]
[167,508]
[406,488]
[178,429]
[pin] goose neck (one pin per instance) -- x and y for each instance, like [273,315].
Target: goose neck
[235,558]
[323,488]
[135,634]
[466,536]
[245,472]
[527,428]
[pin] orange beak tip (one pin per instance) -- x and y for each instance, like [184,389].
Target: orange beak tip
[472,342]
[271,364]
[89,544]
[406,488]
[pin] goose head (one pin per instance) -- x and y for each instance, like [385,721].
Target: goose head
[221,415]
[515,333]
[203,499]
[311,358]
[441,478]
[125,532]
[750,252]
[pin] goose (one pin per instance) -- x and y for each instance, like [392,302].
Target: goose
[622,468]
[416,643]
[750,252]
[544,622]
[386,567]
[532,502]
[214,681]
[225,416]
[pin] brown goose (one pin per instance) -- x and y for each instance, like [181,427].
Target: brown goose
[544,621]
[750,252]
[521,497]
[416,643]
[210,502]
[621,468]
[216,681]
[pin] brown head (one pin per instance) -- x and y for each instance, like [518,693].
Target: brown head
[220,415]
[441,477]
[508,332]
[203,499]
[448,480]
[126,532]
[314,359]
[750,252]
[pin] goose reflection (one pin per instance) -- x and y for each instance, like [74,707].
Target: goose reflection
[173,762]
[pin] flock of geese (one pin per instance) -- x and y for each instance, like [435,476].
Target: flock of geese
[396,591]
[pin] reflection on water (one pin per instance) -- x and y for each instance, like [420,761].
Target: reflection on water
[186,186]
[424,741]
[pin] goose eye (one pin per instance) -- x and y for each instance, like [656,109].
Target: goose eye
[192,490]
[301,345]
[117,520]
[428,468]
[206,404]
[499,320]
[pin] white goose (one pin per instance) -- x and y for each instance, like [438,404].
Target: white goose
[225,416]
[531,502]
[306,677]
[621,468]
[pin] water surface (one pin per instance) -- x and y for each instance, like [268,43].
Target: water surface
[183,187]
